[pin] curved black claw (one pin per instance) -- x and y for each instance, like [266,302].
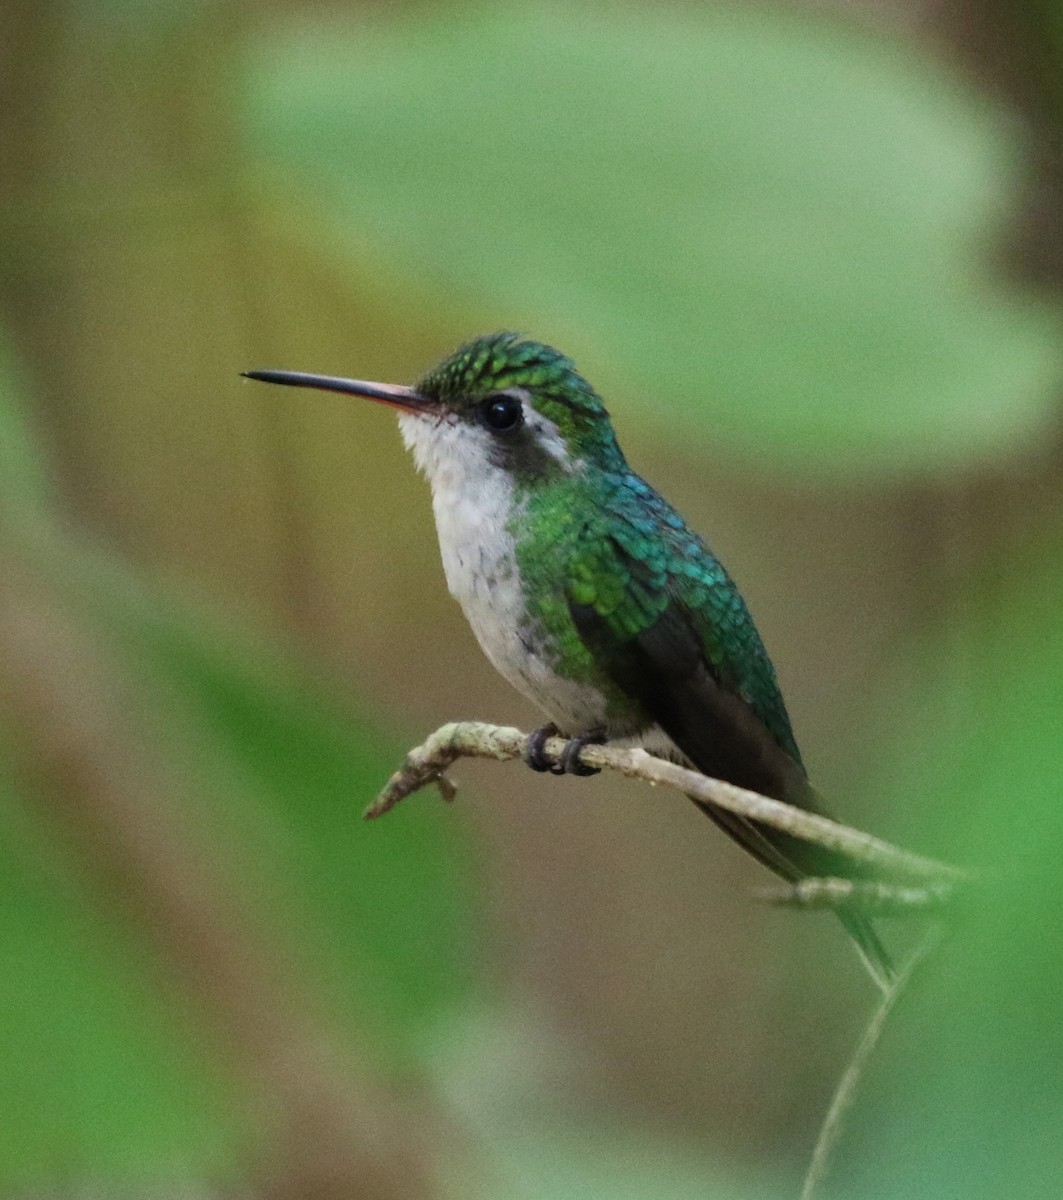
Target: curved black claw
[534,755]
[570,763]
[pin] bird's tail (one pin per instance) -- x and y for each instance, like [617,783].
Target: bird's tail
[789,858]
[873,953]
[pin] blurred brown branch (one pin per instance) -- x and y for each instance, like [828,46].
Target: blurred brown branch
[92,753]
[428,763]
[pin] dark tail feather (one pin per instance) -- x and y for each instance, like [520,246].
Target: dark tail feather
[784,855]
[869,946]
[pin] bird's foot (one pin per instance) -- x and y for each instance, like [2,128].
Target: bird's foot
[569,763]
[535,756]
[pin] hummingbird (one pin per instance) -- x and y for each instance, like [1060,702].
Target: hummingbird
[591,595]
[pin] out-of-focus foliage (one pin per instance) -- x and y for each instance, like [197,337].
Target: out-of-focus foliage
[500,1078]
[22,480]
[969,1099]
[769,240]
[100,1080]
[102,1077]
[769,233]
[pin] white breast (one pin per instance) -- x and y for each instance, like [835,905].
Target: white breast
[474,504]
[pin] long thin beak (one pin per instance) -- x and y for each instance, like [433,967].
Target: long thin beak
[385,393]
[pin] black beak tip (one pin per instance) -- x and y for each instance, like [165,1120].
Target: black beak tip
[386,393]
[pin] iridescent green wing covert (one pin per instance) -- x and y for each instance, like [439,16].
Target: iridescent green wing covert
[663,618]
[719,619]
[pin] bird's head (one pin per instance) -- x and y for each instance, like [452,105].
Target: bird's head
[500,403]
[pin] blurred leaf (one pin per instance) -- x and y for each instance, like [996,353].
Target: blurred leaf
[553,1160]
[763,233]
[147,19]
[22,478]
[105,1075]
[507,1080]
[97,1081]
[969,1098]
[389,902]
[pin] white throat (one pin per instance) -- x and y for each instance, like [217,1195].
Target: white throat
[473,502]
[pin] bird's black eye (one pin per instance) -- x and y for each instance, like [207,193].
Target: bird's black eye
[502,413]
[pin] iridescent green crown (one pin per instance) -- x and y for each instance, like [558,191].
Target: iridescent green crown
[498,361]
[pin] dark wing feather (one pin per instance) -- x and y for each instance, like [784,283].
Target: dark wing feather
[664,668]
[722,710]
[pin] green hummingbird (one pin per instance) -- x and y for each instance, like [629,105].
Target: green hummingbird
[590,594]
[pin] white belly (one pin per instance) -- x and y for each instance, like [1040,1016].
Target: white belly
[480,563]
[474,502]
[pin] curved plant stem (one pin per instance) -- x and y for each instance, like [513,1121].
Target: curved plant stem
[845,1093]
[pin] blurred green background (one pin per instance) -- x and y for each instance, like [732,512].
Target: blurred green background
[810,253]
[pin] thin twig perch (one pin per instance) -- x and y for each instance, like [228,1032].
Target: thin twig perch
[428,763]
[871,896]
